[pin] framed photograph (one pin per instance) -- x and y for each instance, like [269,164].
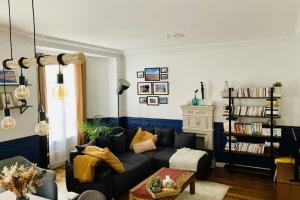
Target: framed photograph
[140,74]
[161,88]
[10,77]
[163,100]
[9,100]
[152,74]
[164,70]
[144,88]
[143,100]
[164,77]
[152,101]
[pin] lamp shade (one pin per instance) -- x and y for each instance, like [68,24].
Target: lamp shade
[122,86]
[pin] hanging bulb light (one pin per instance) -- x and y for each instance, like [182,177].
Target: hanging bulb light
[22,92]
[8,122]
[42,128]
[60,91]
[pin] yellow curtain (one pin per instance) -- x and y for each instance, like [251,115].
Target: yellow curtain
[80,81]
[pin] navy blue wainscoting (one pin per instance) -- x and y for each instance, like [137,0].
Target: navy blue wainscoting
[219,137]
[27,147]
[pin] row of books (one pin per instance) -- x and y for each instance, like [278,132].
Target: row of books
[254,128]
[249,92]
[257,148]
[258,111]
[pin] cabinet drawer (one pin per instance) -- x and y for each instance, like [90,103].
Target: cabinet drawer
[197,112]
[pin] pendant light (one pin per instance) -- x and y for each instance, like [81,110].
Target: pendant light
[42,128]
[60,91]
[22,92]
[8,122]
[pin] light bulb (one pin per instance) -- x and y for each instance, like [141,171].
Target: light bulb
[22,92]
[60,91]
[8,122]
[42,128]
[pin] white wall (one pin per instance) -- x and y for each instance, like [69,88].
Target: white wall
[26,121]
[101,87]
[248,65]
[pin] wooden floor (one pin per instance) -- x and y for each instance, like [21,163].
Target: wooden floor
[243,186]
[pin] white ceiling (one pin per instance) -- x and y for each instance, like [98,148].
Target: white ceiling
[143,24]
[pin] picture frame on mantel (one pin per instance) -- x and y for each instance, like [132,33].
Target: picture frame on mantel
[164,77]
[164,70]
[163,100]
[143,100]
[140,74]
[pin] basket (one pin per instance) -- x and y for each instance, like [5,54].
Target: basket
[165,192]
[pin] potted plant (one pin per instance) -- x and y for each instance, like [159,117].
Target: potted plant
[95,128]
[155,185]
[277,85]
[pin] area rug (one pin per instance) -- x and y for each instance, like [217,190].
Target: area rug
[205,190]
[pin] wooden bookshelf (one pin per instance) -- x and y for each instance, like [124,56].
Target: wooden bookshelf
[247,153]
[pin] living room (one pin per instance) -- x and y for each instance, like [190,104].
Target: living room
[218,80]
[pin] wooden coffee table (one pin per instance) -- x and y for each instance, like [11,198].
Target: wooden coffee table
[181,177]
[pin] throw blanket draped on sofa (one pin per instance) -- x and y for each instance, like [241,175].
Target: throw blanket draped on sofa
[186,159]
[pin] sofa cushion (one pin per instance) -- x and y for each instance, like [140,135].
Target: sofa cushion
[162,157]
[130,133]
[138,137]
[118,143]
[187,140]
[144,146]
[138,167]
[103,142]
[165,136]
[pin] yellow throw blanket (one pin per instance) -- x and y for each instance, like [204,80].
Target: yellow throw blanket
[84,165]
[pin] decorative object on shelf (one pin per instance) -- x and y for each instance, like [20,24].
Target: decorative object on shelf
[144,88]
[140,74]
[7,99]
[143,100]
[225,91]
[22,92]
[195,100]
[202,91]
[164,70]
[10,77]
[161,88]
[21,180]
[277,92]
[122,86]
[152,74]
[152,101]
[164,77]
[163,100]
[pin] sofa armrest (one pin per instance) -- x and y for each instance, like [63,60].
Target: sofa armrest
[48,190]
[187,140]
[79,149]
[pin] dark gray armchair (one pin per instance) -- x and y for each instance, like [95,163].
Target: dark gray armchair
[48,189]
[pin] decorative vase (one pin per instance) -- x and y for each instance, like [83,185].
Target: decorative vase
[195,101]
[167,182]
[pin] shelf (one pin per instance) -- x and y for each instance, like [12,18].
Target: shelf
[247,153]
[247,116]
[252,136]
[15,84]
[22,108]
[252,97]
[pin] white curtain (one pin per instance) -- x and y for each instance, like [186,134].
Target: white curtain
[62,116]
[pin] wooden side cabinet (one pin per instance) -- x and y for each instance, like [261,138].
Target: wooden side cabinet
[199,120]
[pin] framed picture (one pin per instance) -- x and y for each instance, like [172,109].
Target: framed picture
[152,101]
[144,88]
[163,100]
[164,70]
[140,74]
[9,100]
[10,77]
[164,77]
[161,88]
[152,74]
[143,100]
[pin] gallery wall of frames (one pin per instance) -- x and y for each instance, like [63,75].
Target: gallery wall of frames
[154,86]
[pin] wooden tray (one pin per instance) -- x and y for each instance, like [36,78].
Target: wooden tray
[164,193]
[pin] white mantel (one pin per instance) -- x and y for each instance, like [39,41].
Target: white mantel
[199,120]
